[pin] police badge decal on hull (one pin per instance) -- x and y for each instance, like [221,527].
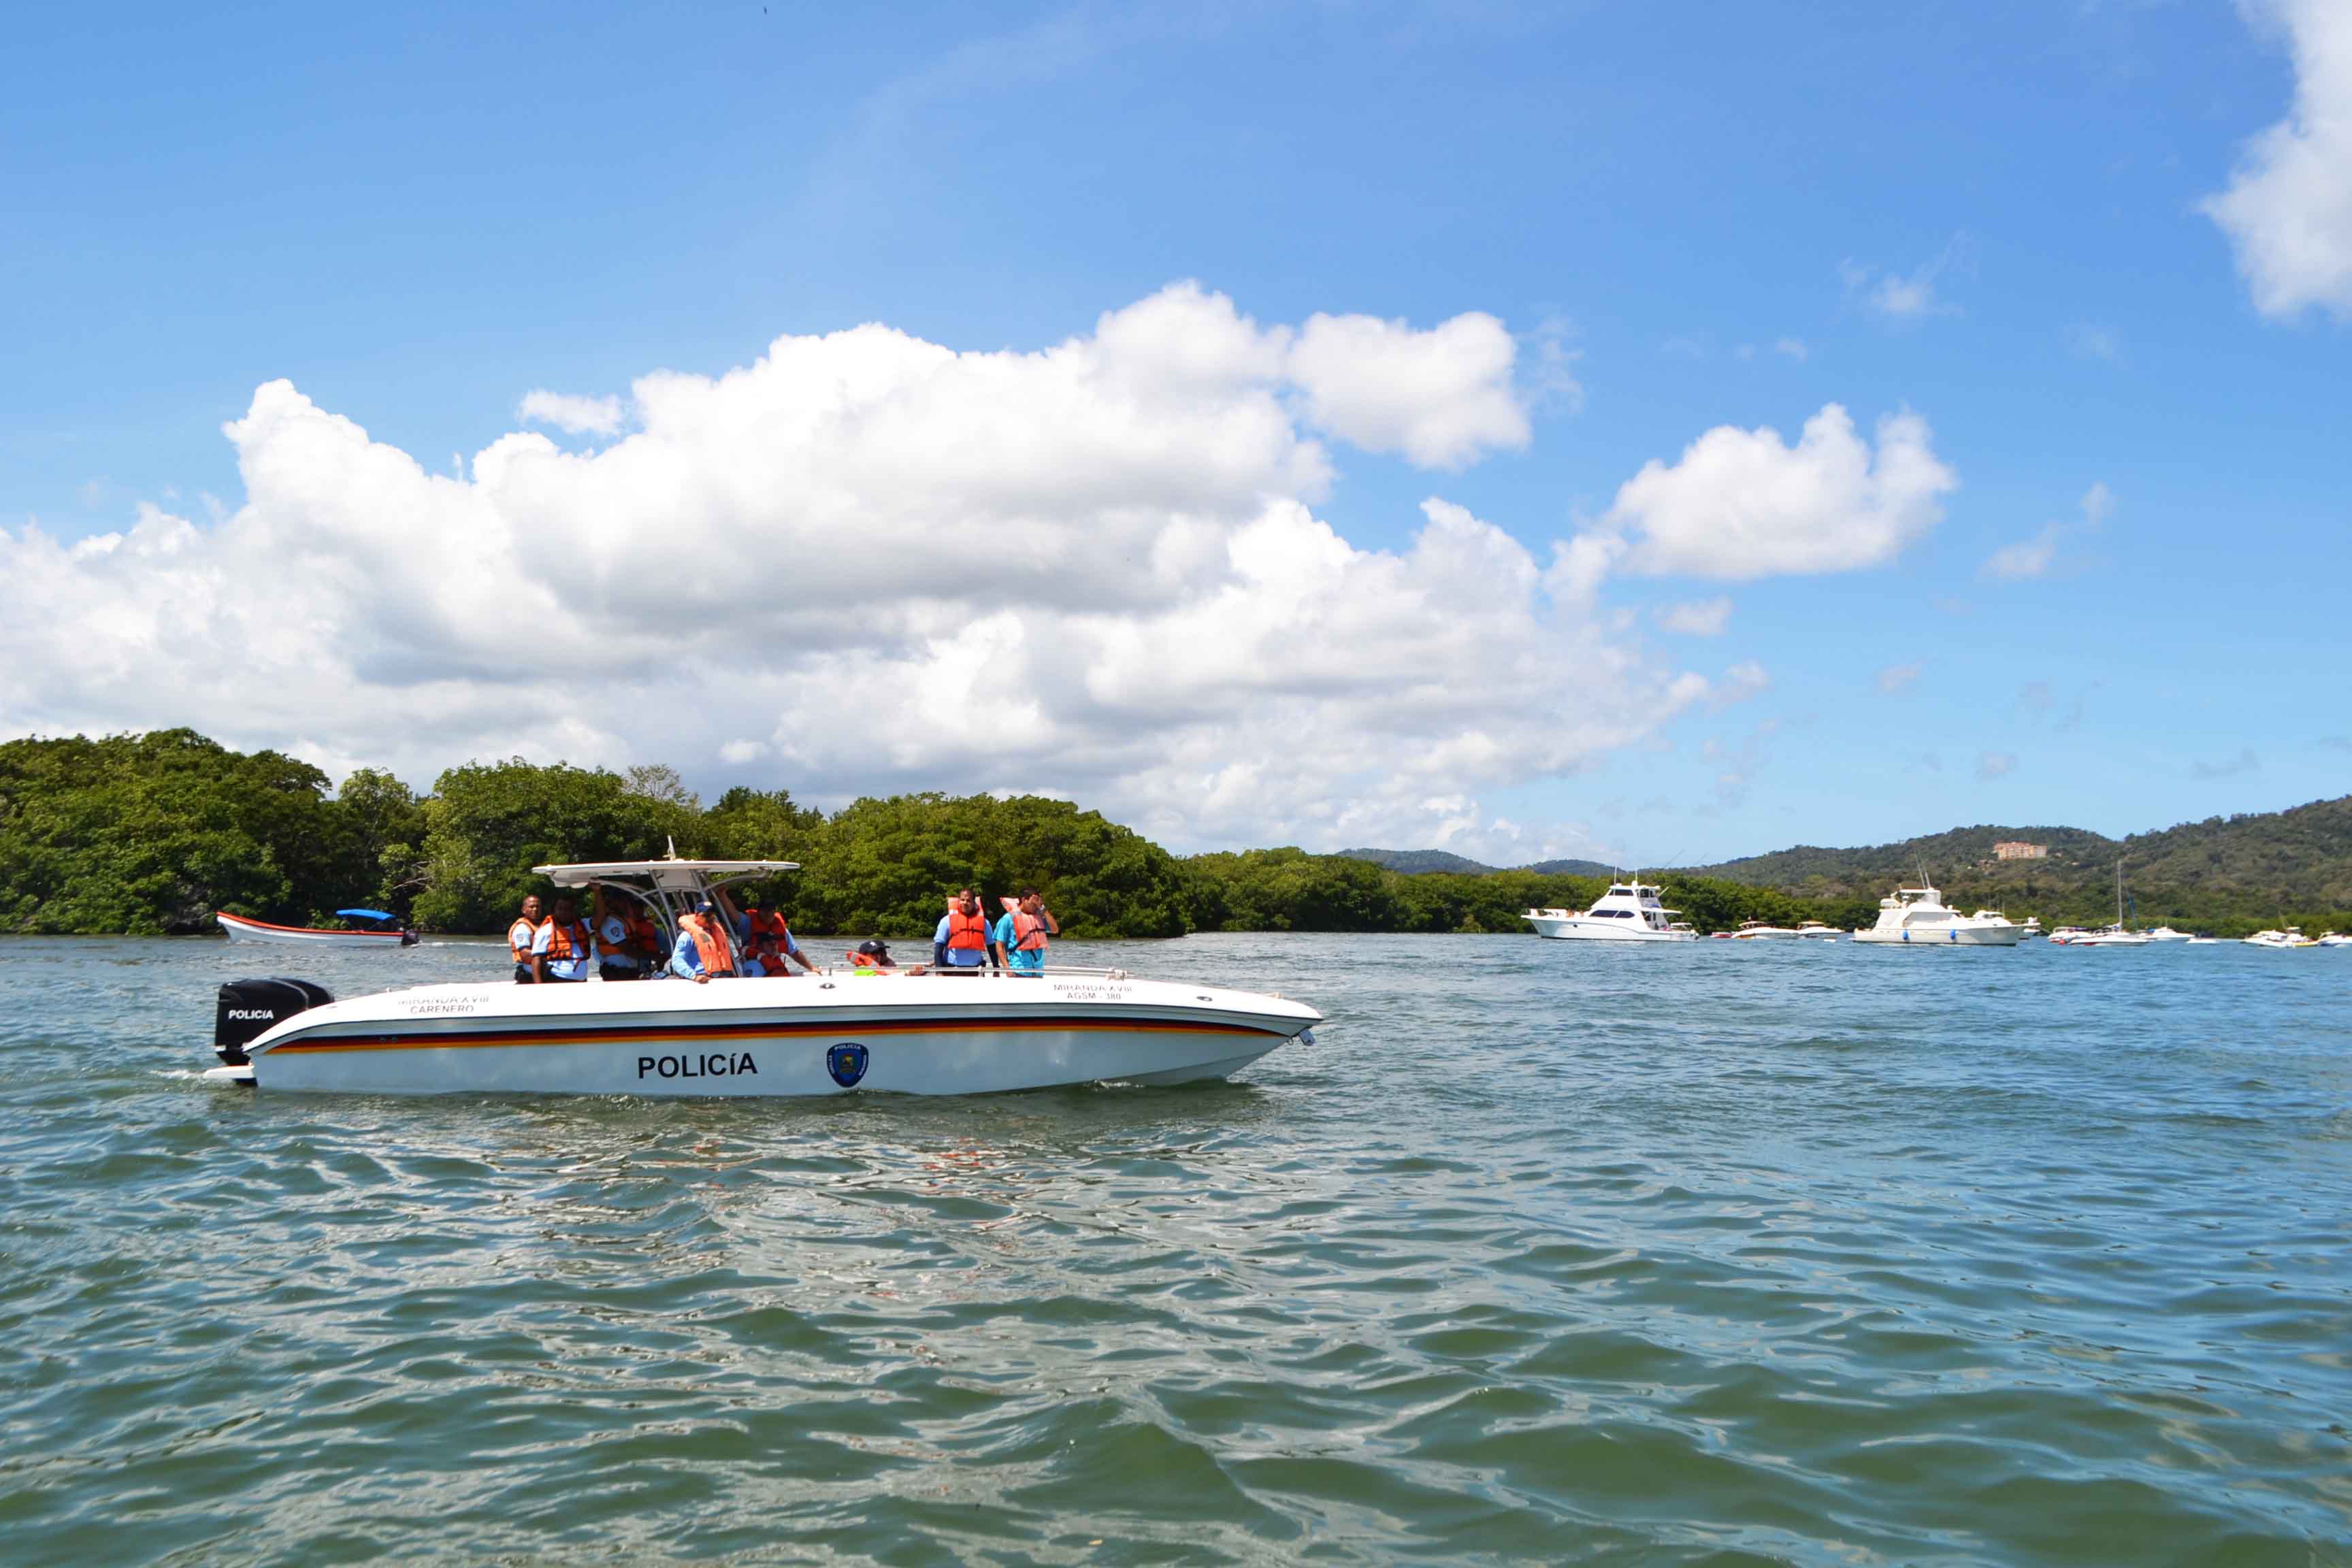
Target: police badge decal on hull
[846,1063]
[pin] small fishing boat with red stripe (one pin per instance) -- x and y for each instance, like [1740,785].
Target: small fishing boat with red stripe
[383,929]
[825,1033]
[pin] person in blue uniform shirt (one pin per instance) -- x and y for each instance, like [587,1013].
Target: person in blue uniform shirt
[964,941]
[564,948]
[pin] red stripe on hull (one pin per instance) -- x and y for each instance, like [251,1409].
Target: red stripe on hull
[715,1032]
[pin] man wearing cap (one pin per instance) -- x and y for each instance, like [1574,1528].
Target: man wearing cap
[703,952]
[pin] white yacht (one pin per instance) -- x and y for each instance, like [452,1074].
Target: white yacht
[1917,917]
[1764,930]
[2166,934]
[2334,939]
[1628,911]
[2291,937]
[2112,936]
[896,1031]
[1817,930]
[2117,934]
[2066,936]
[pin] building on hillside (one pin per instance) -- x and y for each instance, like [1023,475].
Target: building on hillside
[2014,851]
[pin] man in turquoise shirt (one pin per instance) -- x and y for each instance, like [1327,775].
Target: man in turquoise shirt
[1021,934]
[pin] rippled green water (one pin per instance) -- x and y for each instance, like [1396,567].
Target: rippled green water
[1729,1254]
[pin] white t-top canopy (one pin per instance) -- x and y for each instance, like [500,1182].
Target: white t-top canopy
[676,876]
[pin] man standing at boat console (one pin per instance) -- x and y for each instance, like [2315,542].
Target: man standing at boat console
[519,937]
[964,941]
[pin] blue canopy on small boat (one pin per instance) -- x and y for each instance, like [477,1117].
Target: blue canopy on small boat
[366,914]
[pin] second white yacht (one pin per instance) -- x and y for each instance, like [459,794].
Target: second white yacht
[1628,911]
[1917,917]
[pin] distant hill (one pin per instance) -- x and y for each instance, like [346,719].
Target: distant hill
[1570,869]
[2226,872]
[2250,864]
[1418,862]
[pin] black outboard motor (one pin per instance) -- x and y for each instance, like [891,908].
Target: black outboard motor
[248,1008]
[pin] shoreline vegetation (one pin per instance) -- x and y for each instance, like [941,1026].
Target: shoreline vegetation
[148,835]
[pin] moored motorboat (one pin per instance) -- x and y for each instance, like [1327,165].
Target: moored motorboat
[1818,930]
[823,1034]
[1764,930]
[2291,937]
[1917,917]
[2166,934]
[383,933]
[1628,911]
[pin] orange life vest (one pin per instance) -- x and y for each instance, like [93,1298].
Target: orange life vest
[639,936]
[566,942]
[1028,933]
[768,935]
[519,938]
[861,961]
[966,932]
[709,944]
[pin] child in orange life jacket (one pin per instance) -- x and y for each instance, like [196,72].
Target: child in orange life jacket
[768,944]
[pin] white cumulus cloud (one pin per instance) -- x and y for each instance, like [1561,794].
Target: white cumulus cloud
[1442,397]
[865,562]
[1745,503]
[2288,207]
[569,411]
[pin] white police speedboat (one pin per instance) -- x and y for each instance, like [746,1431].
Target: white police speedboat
[821,1034]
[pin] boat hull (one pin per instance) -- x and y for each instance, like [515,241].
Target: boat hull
[1944,936]
[240,929]
[1573,930]
[765,1037]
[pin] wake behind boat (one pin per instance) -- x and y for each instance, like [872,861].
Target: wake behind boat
[381,932]
[820,1034]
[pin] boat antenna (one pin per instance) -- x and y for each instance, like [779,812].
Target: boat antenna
[670,839]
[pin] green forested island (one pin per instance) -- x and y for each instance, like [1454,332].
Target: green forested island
[150,834]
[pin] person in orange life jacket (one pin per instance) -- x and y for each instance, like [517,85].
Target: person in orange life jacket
[964,942]
[628,945]
[703,954]
[872,957]
[768,941]
[1022,933]
[519,937]
[563,948]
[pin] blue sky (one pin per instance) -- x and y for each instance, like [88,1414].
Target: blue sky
[1688,218]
